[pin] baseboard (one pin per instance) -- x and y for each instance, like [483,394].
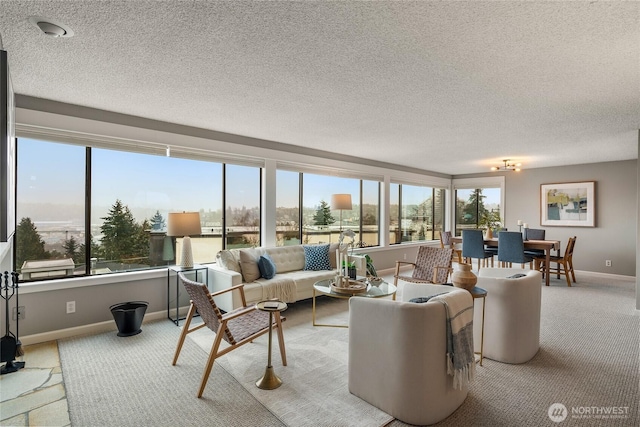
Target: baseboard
[605,275]
[391,271]
[92,329]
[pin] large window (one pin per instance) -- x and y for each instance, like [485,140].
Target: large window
[84,211]
[132,194]
[370,213]
[416,213]
[476,207]
[242,201]
[50,214]
[287,208]
[320,221]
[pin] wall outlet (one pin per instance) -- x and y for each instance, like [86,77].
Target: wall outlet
[19,312]
[71,307]
[607,263]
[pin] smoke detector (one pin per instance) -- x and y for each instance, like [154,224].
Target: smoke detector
[51,27]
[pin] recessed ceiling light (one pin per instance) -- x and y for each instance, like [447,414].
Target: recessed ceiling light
[51,27]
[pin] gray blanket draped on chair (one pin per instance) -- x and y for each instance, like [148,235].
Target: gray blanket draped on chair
[460,357]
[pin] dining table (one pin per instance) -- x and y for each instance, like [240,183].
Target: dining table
[546,245]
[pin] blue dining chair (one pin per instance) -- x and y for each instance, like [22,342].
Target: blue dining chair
[511,249]
[494,249]
[473,247]
[534,234]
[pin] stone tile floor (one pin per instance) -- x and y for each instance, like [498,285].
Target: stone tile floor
[35,395]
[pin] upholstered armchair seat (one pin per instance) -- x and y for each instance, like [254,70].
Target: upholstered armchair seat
[397,356]
[512,314]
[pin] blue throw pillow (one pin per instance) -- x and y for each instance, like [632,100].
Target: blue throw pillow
[266,266]
[316,257]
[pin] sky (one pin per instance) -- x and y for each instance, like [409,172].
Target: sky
[168,184]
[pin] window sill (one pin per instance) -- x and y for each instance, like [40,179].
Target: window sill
[81,282]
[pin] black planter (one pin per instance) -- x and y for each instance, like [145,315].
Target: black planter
[352,273]
[128,317]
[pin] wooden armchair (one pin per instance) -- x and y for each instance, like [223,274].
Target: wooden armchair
[432,265]
[236,327]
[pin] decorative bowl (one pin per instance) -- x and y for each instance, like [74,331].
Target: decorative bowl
[375,281]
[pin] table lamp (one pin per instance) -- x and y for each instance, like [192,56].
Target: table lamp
[184,224]
[341,202]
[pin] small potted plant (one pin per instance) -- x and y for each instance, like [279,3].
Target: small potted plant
[351,268]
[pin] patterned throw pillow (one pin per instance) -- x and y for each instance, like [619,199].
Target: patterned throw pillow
[266,266]
[316,257]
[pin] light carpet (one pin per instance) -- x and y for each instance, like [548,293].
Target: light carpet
[129,381]
[589,360]
[314,391]
[589,357]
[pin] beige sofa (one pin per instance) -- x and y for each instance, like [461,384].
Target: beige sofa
[512,314]
[290,284]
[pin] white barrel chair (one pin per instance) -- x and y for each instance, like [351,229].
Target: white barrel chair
[397,355]
[512,314]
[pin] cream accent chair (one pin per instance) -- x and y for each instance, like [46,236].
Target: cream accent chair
[397,355]
[512,314]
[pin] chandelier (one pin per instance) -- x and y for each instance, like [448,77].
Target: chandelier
[508,166]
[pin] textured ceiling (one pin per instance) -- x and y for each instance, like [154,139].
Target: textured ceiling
[450,87]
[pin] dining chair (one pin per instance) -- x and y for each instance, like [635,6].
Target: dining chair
[236,327]
[564,263]
[534,234]
[473,247]
[445,242]
[494,249]
[511,249]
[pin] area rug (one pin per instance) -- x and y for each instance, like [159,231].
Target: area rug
[314,391]
[129,381]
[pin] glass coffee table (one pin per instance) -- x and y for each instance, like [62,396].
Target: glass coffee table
[323,287]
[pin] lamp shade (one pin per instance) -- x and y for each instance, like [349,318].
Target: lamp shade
[183,224]
[341,201]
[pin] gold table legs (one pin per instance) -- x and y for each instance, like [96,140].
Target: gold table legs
[477,292]
[269,380]
[313,313]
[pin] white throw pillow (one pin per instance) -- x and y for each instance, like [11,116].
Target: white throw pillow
[229,260]
[249,263]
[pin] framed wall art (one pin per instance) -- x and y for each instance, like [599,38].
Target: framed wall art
[568,204]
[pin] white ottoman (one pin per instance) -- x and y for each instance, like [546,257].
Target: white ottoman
[512,314]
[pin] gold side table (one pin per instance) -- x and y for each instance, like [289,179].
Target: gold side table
[270,380]
[477,292]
